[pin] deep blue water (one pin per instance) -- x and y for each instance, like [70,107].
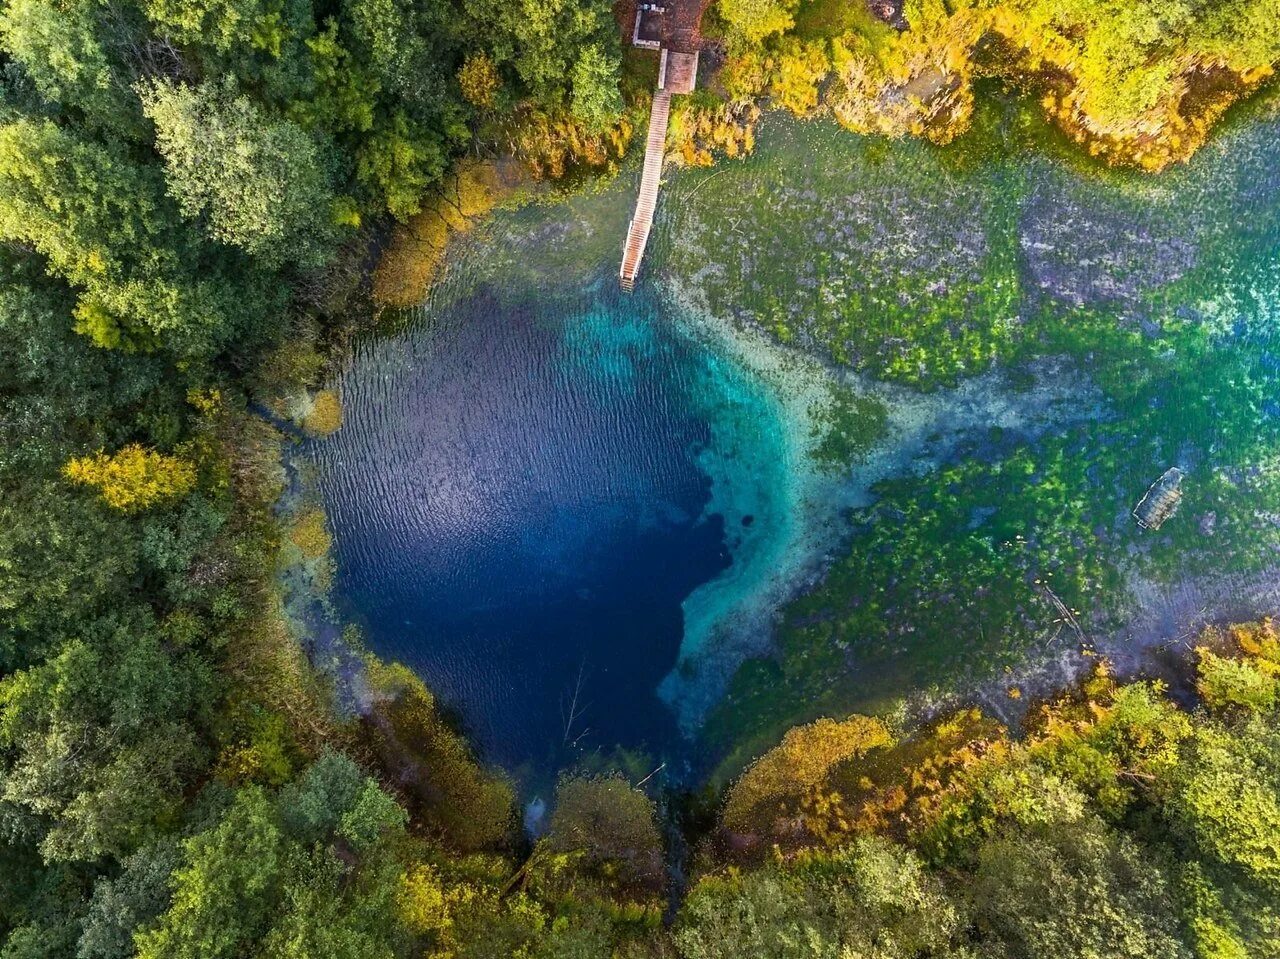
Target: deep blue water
[549,482]
[518,500]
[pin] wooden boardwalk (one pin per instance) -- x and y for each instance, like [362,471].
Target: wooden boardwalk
[642,220]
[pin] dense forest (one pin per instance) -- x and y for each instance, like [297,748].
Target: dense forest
[189,191]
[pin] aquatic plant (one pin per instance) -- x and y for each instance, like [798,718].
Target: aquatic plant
[325,415]
[1006,544]
[417,248]
[310,535]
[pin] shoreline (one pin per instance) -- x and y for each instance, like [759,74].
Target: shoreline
[922,431]
[736,615]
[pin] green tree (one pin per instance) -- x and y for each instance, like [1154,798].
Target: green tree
[324,916]
[99,740]
[259,181]
[103,223]
[398,162]
[227,890]
[406,47]
[545,42]
[755,20]
[1225,683]
[346,91]
[1227,801]
[595,101]
[611,826]
[314,871]
[1073,890]
[872,899]
[130,900]
[261,43]
[73,52]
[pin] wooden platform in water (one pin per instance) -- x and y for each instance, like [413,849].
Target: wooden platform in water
[642,219]
[678,23]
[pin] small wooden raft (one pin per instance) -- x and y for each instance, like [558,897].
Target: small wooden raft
[1161,500]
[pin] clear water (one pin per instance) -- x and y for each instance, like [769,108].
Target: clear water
[544,487]
[522,495]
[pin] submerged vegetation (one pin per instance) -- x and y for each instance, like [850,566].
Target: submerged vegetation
[1117,825]
[1141,313]
[189,192]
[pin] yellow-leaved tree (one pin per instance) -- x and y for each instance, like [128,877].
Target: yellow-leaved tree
[773,787]
[479,79]
[133,478]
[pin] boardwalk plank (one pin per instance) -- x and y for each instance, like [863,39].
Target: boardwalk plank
[642,221]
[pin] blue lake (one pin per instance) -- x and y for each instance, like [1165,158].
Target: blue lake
[576,513]
[522,510]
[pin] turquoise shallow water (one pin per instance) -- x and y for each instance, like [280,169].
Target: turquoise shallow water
[526,489]
[544,487]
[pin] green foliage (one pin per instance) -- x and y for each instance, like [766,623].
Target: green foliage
[871,898]
[313,805]
[96,741]
[1225,682]
[565,54]
[103,223]
[755,20]
[995,797]
[313,871]
[1238,670]
[221,897]
[1130,63]
[1112,743]
[1227,801]
[403,44]
[611,828]
[223,25]
[595,101]
[259,182]
[346,90]
[397,162]
[257,745]
[259,42]
[1073,889]
[74,53]
[369,817]
[131,900]
[1215,933]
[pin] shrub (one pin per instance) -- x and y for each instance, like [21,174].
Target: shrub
[133,478]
